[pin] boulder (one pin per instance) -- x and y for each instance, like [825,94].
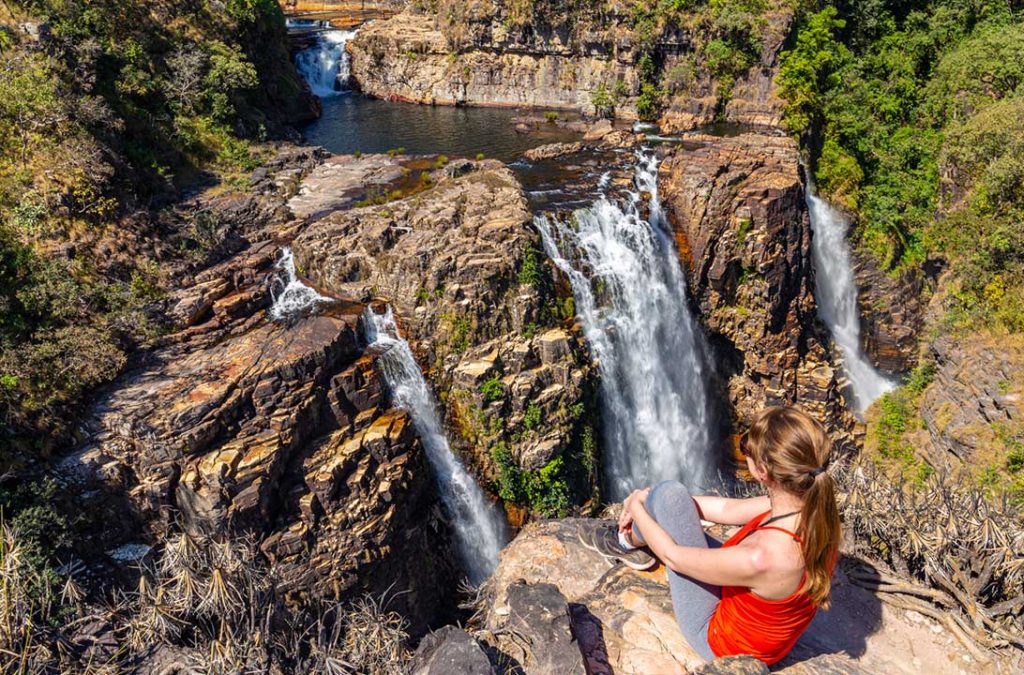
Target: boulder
[450,651]
[623,622]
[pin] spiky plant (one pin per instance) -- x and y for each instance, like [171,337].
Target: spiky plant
[963,552]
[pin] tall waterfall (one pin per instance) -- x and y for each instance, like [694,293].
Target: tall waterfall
[480,530]
[291,296]
[836,293]
[630,294]
[325,65]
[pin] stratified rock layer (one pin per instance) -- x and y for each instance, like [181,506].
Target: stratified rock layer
[237,424]
[737,208]
[450,261]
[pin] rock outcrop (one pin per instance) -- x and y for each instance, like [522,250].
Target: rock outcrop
[751,100]
[737,208]
[891,314]
[974,406]
[478,55]
[460,264]
[553,606]
[238,424]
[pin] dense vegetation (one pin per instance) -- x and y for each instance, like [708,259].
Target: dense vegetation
[912,113]
[107,111]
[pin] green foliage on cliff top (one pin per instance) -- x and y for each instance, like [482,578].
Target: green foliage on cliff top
[112,109]
[913,117]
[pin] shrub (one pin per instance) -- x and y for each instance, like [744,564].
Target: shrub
[492,389]
[532,416]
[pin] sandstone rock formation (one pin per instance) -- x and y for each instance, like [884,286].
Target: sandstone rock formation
[974,406]
[737,208]
[892,315]
[751,100]
[460,264]
[479,56]
[550,590]
[237,424]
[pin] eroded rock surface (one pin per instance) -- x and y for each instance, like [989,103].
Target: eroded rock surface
[238,424]
[891,313]
[461,265]
[737,208]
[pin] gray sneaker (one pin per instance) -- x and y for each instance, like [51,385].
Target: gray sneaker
[604,539]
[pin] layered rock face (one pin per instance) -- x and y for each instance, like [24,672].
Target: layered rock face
[751,100]
[737,208]
[892,315]
[242,425]
[451,262]
[973,406]
[482,58]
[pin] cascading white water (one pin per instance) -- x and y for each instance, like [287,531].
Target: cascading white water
[480,530]
[630,294]
[291,296]
[325,65]
[836,293]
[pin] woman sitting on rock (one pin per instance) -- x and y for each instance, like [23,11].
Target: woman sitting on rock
[758,592]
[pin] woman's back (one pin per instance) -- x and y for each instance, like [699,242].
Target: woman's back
[767,624]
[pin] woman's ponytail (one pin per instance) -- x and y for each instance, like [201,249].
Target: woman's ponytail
[795,450]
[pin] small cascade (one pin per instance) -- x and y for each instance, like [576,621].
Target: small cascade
[836,293]
[325,65]
[290,296]
[630,294]
[480,530]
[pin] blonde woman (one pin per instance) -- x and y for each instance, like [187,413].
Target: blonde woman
[758,592]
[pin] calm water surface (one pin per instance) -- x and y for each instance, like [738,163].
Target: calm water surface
[352,122]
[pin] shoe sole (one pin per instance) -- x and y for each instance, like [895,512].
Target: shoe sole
[639,567]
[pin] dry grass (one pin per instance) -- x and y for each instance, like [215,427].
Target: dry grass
[954,554]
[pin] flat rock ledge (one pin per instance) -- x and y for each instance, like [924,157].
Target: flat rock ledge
[555,607]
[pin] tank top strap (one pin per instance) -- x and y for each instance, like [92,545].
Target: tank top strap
[781,529]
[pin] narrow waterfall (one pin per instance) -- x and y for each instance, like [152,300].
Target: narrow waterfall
[836,293]
[325,65]
[630,294]
[480,530]
[291,296]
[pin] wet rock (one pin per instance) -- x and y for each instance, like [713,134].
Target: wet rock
[450,651]
[737,209]
[552,150]
[891,314]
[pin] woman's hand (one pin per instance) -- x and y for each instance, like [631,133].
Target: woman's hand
[638,498]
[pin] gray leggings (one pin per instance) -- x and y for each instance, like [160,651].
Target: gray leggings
[671,505]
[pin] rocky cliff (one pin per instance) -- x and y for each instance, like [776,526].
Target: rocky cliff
[608,59]
[460,263]
[553,606]
[239,424]
[737,208]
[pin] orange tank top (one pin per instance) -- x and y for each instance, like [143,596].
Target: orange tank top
[746,623]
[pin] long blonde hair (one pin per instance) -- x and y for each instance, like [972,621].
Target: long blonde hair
[794,450]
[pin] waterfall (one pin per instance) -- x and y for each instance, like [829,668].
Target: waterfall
[290,296]
[836,294]
[630,293]
[480,530]
[325,65]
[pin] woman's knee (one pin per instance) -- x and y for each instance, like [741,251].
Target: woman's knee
[668,491]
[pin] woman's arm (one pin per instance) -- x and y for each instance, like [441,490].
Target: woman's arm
[734,566]
[731,511]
